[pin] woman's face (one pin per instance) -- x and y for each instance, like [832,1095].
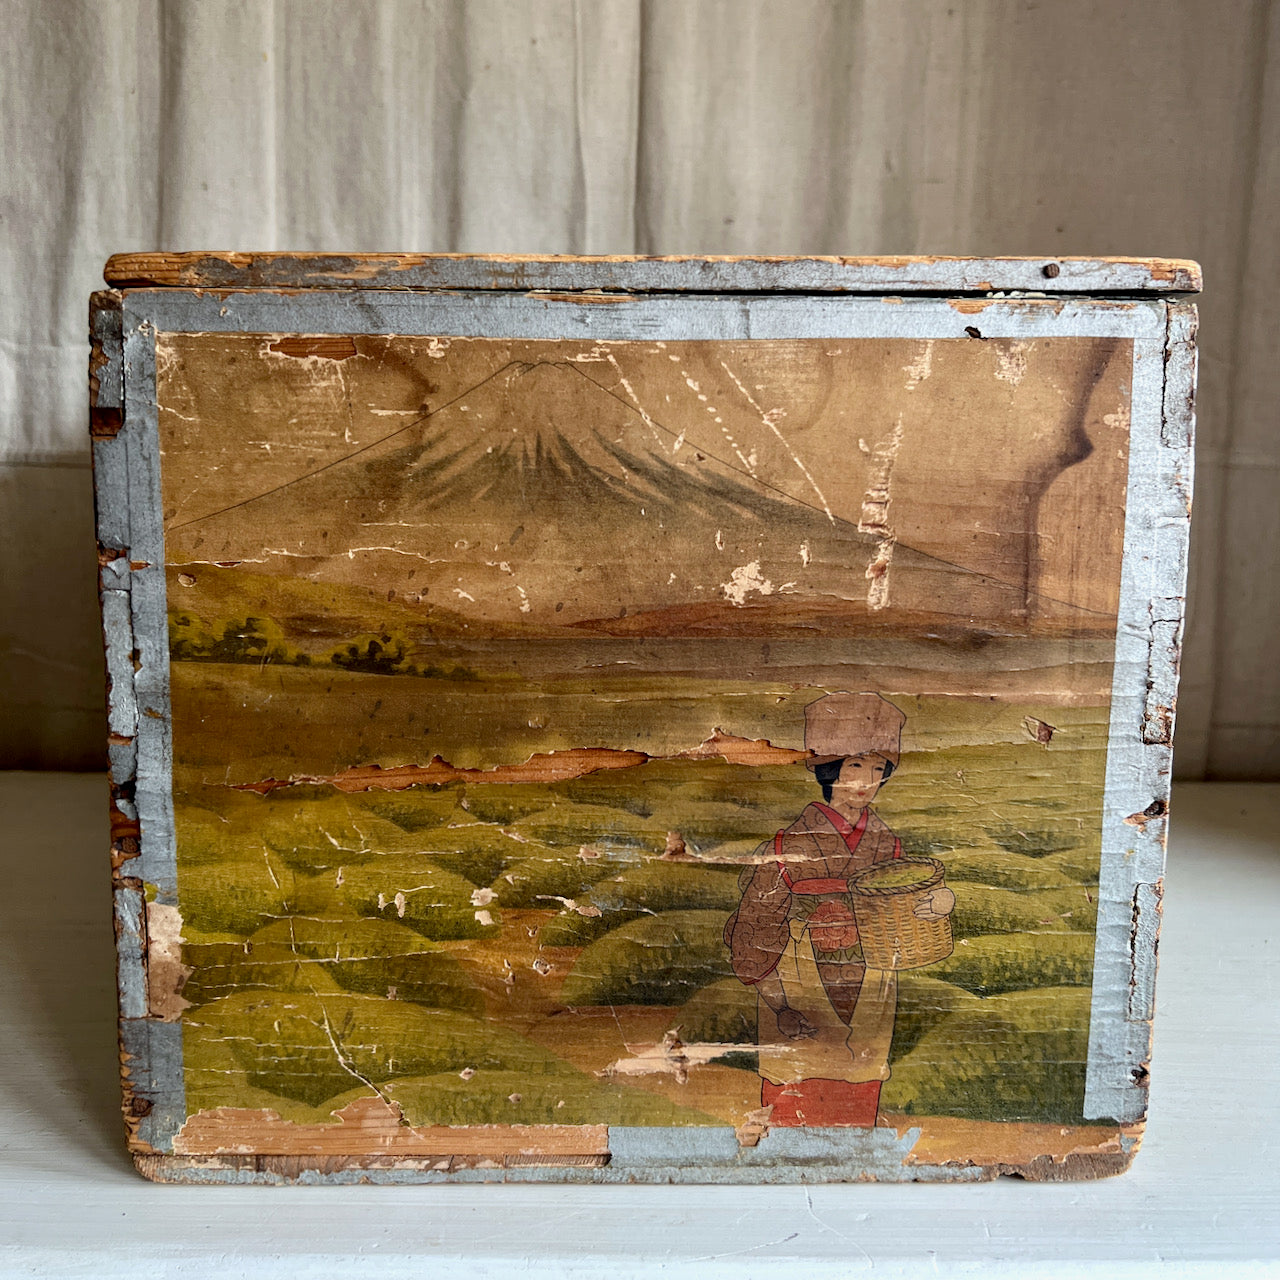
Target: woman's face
[859,780]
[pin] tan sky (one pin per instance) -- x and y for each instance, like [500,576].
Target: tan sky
[969,451]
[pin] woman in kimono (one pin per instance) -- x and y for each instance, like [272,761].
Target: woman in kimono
[825,1019]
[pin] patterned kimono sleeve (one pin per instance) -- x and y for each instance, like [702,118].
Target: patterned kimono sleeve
[758,932]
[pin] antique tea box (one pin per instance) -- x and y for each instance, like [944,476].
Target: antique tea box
[624,719]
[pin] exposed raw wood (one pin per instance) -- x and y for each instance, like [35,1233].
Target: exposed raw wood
[372,1126]
[106,367]
[556,766]
[551,767]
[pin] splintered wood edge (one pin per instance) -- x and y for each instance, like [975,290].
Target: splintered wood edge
[682,274]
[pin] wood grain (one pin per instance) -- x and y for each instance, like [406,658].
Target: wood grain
[723,273]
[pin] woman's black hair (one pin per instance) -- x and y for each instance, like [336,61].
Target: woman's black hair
[827,774]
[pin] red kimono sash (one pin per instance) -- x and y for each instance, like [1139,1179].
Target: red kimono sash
[852,835]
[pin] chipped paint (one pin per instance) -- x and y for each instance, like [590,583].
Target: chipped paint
[670,1056]
[1140,762]
[1144,936]
[1155,810]
[106,366]
[1011,362]
[166,974]
[753,1127]
[745,579]
[320,347]
[874,518]
[1040,730]
[921,367]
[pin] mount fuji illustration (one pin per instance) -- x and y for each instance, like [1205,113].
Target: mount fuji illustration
[543,502]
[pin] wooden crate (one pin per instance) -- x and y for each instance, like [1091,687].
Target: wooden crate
[513,660]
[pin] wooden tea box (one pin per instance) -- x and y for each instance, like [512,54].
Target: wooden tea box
[639,719]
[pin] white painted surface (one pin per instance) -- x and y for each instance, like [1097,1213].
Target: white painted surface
[1202,1199]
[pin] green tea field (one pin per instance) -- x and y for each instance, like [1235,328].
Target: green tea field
[492,952]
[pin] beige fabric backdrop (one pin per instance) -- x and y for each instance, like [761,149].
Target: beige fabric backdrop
[617,126]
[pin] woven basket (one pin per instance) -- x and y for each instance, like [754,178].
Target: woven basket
[893,936]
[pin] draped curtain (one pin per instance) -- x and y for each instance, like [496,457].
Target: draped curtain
[651,126]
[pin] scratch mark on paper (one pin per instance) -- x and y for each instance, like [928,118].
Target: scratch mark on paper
[769,418]
[654,429]
[343,1062]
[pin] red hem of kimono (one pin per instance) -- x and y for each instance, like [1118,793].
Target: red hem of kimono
[822,1104]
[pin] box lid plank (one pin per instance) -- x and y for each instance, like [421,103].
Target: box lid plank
[683,274]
